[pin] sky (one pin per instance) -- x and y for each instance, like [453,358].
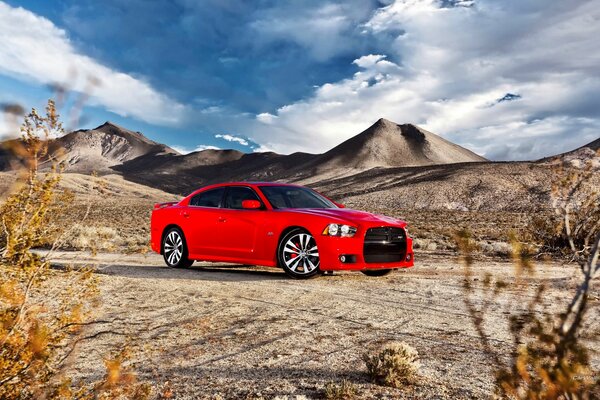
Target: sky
[508,79]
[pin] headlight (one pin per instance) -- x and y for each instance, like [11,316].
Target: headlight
[339,230]
[332,229]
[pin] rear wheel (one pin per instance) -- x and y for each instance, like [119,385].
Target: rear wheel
[175,250]
[376,272]
[298,254]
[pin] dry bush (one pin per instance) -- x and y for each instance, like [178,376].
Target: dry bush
[548,360]
[395,364]
[136,243]
[575,223]
[43,312]
[345,390]
[120,381]
[92,238]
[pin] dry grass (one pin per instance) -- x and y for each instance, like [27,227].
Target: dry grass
[93,238]
[395,364]
[345,390]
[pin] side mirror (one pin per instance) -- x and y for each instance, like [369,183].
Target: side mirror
[340,205]
[251,204]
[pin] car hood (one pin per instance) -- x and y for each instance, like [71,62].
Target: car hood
[349,215]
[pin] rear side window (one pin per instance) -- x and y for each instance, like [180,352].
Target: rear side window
[236,194]
[210,198]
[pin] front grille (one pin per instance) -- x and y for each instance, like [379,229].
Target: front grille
[384,244]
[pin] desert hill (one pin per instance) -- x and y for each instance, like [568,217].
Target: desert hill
[577,156]
[103,147]
[387,144]
[111,186]
[95,150]
[482,186]
[210,166]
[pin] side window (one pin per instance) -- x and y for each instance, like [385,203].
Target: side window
[236,194]
[210,198]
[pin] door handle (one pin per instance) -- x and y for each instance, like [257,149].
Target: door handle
[185,214]
[222,219]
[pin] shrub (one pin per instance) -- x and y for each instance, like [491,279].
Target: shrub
[43,311]
[345,390]
[395,364]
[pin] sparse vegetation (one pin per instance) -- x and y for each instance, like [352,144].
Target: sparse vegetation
[549,360]
[345,390]
[395,364]
[43,312]
[94,238]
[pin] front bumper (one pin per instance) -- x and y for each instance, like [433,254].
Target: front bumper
[332,248]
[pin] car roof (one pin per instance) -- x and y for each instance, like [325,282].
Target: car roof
[249,183]
[242,183]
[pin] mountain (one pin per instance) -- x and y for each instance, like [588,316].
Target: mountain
[387,144]
[94,150]
[387,166]
[384,145]
[110,149]
[101,148]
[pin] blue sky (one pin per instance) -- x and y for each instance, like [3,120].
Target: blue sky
[511,79]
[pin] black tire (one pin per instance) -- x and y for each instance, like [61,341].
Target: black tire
[377,272]
[298,255]
[174,249]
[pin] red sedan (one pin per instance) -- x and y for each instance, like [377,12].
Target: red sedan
[278,225]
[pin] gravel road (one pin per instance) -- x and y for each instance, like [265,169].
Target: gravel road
[217,331]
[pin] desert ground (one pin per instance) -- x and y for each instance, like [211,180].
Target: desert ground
[223,331]
[226,331]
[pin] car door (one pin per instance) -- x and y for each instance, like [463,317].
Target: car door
[239,229]
[200,220]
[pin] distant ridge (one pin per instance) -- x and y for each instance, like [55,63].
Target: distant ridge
[578,155]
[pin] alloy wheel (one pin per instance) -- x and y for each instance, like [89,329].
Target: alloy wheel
[300,254]
[173,248]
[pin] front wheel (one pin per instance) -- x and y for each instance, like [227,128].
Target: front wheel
[376,272]
[175,250]
[298,254]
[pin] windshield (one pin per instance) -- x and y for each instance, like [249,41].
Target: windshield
[295,197]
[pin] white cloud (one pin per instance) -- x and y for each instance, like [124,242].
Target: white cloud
[9,121]
[7,129]
[231,138]
[262,149]
[266,118]
[33,48]
[454,64]
[185,150]
[207,147]
[320,31]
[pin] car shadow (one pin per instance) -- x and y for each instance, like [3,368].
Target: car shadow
[216,272]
